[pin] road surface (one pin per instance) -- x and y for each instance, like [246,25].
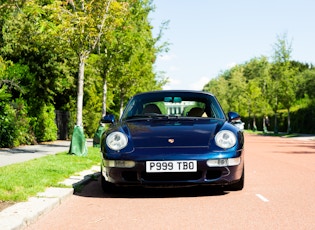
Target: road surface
[279,193]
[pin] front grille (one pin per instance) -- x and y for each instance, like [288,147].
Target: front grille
[175,176]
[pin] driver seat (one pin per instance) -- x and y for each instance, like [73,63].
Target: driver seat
[151,108]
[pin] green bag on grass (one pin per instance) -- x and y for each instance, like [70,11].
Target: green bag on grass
[78,142]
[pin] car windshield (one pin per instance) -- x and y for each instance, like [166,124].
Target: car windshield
[173,104]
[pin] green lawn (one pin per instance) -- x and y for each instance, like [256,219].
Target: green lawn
[23,180]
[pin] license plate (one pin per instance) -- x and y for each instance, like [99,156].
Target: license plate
[171,166]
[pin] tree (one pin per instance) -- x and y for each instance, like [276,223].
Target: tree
[54,40]
[284,78]
[256,72]
[130,54]
[82,24]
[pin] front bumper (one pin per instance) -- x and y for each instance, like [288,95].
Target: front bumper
[137,175]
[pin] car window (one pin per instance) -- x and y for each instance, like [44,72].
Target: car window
[175,106]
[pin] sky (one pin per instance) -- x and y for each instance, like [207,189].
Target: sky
[208,37]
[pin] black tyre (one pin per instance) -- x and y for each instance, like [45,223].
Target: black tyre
[107,187]
[238,185]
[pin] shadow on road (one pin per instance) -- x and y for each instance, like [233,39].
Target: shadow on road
[93,189]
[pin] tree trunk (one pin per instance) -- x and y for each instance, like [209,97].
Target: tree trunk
[104,97]
[276,117]
[254,124]
[78,141]
[121,103]
[80,90]
[264,124]
[289,122]
[276,124]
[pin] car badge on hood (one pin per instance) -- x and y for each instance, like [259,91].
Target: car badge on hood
[171,140]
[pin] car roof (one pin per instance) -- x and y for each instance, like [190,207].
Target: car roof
[175,91]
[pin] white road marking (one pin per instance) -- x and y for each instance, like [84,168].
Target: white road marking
[264,199]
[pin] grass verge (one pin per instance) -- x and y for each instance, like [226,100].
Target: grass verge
[23,180]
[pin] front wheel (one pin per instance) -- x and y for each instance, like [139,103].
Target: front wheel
[238,185]
[107,186]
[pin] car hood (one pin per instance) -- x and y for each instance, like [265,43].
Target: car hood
[172,133]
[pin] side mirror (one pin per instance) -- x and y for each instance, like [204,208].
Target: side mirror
[233,116]
[110,118]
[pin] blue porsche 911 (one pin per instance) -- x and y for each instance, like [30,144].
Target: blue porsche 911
[173,138]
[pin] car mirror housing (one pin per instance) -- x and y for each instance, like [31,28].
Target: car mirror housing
[110,118]
[233,116]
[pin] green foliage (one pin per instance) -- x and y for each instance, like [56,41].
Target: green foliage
[28,41]
[303,120]
[7,125]
[24,132]
[44,124]
[306,83]
[15,127]
[4,96]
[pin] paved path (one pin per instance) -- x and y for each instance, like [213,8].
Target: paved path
[28,152]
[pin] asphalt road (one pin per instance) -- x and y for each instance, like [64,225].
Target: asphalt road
[278,194]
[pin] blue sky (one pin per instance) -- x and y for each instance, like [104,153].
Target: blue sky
[210,36]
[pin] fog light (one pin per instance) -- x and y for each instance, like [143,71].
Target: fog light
[234,161]
[224,162]
[119,164]
[217,162]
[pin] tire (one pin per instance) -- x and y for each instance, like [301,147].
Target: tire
[107,187]
[238,185]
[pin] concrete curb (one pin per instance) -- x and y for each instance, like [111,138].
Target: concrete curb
[20,215]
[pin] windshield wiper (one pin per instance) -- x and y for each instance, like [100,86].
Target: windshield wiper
[145,116]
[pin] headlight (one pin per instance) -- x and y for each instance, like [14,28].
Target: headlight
[225,139]
[116,140]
